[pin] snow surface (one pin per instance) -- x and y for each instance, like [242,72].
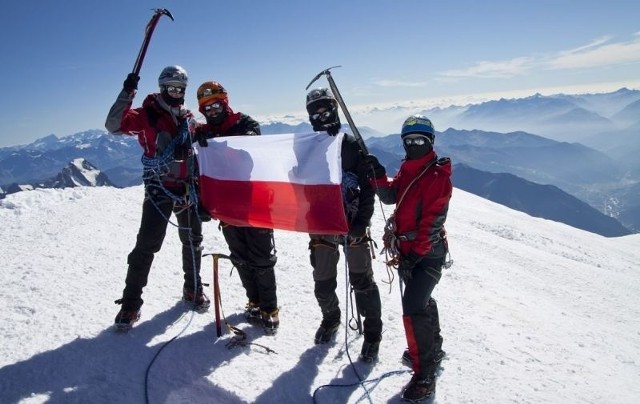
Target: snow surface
[532,311]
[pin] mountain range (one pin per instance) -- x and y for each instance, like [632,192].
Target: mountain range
[78,173]
[46,157]
[601,170]
[562,117]
[544,201]
[576,170]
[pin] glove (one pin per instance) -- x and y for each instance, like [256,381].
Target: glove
[201,138]
[373,168]
[131,82]
[333,129]
[203,213]
[356,235]
[407,263]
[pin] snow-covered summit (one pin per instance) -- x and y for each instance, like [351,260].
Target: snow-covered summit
[79,172]
[532,311]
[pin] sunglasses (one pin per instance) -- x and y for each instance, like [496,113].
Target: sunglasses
[418,141]
[321,115]
[214,107]
[175,90]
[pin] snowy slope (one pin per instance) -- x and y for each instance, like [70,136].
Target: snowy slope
[532,312]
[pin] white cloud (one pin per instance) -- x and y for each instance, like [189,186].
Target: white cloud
[598,53]
[400,83]
[499,69]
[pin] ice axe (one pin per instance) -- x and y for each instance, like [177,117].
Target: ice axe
[240,336]
[336,93]
[158,12]
[216,289]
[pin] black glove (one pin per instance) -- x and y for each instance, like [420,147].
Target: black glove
[201,138]
[407,263]
[203,213]
[356,235]
[131,82]
[333,129]
[373,168]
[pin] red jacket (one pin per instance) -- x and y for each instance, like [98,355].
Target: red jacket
[421,212]
[155,128]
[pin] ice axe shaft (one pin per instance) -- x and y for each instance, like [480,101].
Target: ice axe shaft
[216,290]
[158,12]
[216,297]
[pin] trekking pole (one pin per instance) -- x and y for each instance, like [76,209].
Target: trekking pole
[343,106]
[158,12]
[216,290]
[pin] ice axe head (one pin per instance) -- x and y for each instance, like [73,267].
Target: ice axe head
[151,25]
[325,72]
[165,12]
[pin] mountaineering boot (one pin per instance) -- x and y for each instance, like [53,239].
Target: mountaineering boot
[252,312]
[127,315]
[419,389]
[330,322]
[438,357]
[369,351]
[326,331]
[270,321]
[125,319]
[199,301]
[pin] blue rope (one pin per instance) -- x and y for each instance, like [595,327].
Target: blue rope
[161,162]
[376,380]
[360,381]
[345,249]
[155,167]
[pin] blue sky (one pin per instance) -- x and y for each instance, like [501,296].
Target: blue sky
[66,61]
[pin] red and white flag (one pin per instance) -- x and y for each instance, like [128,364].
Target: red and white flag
[288,182]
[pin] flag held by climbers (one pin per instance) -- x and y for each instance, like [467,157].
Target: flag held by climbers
[288,182]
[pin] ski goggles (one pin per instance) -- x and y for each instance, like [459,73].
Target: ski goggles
[209,92]
[213,107]
[322,115]
[175,89]
[418,140]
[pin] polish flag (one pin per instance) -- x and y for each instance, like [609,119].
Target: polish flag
[289,181]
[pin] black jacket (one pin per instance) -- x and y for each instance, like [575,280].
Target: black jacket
[235,124]
[358,213]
